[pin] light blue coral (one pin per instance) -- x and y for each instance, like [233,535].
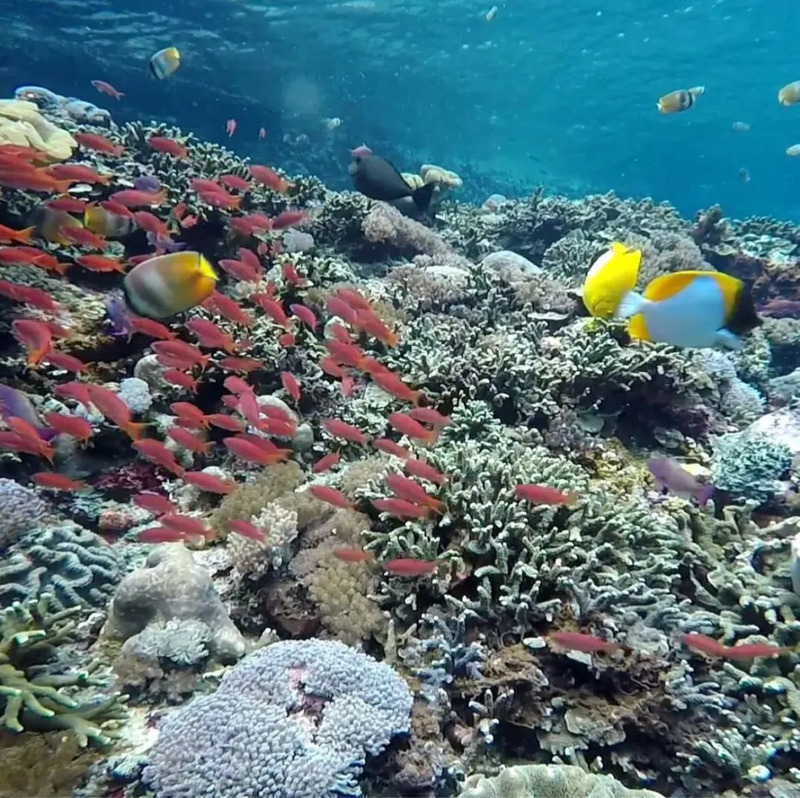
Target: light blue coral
[747,465]
[73,566]
[293,720]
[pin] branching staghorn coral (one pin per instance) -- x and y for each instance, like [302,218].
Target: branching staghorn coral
[35,692]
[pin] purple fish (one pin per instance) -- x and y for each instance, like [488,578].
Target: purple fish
[781,309]
[120,316]
[16,404]
[671,476]
[147,183]
[164,244]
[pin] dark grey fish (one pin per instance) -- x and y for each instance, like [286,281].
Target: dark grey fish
[377,178]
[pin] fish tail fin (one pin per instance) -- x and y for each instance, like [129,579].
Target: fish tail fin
[630,304]
[696,91]
[432,437]
[104,179]
[62,186]
[704,493]
[423,195]
[134,431]
[24,236]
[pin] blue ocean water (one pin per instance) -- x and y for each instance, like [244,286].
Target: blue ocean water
[546,92]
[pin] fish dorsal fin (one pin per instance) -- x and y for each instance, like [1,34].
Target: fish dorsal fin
[668,285]
[206,269]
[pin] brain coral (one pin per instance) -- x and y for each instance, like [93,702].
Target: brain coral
[20,510]
[293,720]
[73,566]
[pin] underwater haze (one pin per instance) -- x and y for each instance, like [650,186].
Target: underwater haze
[553,93]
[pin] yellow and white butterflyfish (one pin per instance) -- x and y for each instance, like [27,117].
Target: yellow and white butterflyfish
[691,309]
[168,284]
[610,277]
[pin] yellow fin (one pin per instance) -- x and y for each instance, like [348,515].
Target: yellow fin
[612,275]
[668,285]
[730,288]
[637,328]
[206,269]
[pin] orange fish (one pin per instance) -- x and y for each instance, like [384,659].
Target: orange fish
[423,470]
[82,237]
[189,440]
[107,88]
[247,530]
[390,447]
[93,141]
[10,236]
[326,463]
[542,494]
[348,554]
[331,496]
[115,410]
[37,180]
[53,481]
[409,566]
[401,508]
[411,427]
[306,315]
[246,449]
[131,198]
[411,491]
[154,503]
[269,178]
[210,336]
[99,263]
[181,379]
[578,641]
[157,453]
[427,415]
[64,361]
[393,385]
[161,534]
[74,426]
[77,172]
[170,146]
[290,385]
[341,429]
[243,364]
[35,336]
[209,483]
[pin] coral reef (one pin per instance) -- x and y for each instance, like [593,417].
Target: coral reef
[402,435]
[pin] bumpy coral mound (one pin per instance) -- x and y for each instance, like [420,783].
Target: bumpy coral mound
[21,123]
[294,720]
[549,781]
[172,586]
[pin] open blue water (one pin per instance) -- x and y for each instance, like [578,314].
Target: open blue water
[549,91]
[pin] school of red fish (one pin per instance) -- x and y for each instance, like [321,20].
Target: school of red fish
[185,351]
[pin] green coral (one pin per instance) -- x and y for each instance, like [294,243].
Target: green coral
[35,693]
[747,465]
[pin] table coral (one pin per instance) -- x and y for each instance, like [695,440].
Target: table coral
[35,692]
